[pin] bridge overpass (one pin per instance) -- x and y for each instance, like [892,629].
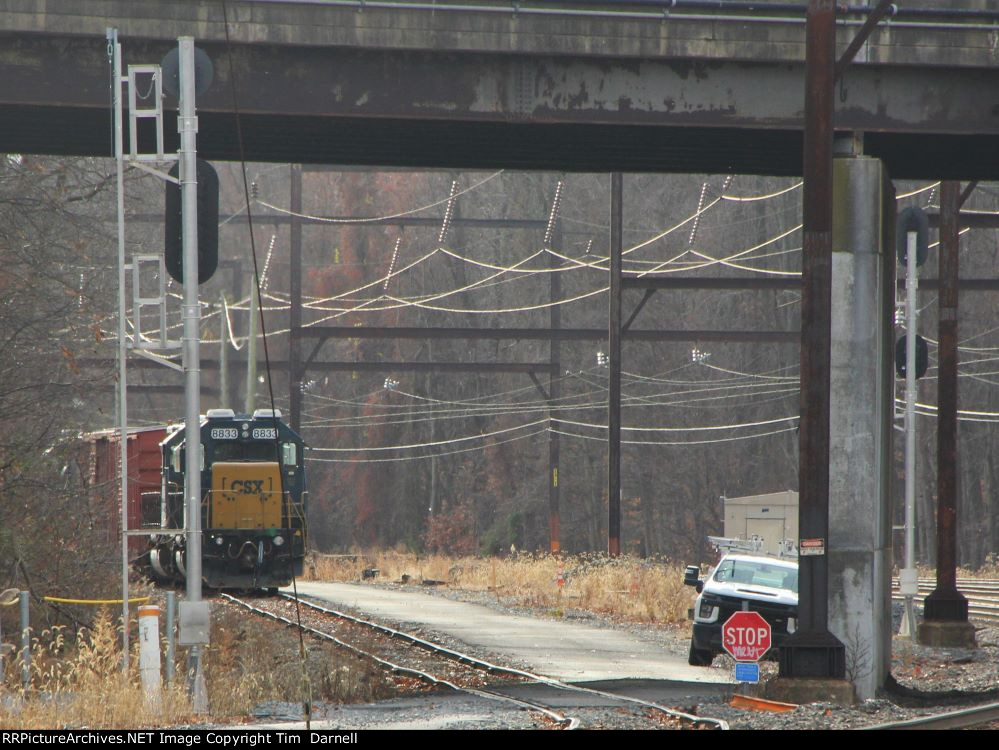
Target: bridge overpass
[645,85]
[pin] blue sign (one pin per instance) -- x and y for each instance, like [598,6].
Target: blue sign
[747,671]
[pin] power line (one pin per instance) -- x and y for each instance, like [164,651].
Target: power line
[678,443]
[432,455]
[327,220]
[433,444]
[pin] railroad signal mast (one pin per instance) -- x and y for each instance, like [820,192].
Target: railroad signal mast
[912,238]
[193,74]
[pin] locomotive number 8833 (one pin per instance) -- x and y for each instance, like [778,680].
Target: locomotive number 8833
[252,507]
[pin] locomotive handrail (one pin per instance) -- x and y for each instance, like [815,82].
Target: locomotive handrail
[299,509]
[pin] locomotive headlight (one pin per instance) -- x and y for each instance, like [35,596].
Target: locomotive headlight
[278,540]
[219,540]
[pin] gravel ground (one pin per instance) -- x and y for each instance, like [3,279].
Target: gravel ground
[424,707]
[953,676]
[441,710]
[930,680]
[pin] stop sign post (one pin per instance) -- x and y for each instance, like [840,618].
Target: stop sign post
[746,636]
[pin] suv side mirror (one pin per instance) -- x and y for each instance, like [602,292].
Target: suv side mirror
[691,577]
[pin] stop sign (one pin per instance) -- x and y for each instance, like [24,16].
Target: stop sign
[746,636]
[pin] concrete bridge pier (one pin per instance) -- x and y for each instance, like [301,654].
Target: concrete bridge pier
[858,554]
[861,411]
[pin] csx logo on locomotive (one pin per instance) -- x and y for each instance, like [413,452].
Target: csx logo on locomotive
[247,486]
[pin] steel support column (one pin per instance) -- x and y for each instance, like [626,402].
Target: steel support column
[614,372]
[814,652]
[295,370]
[946,604]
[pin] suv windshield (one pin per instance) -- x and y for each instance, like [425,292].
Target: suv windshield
[757,574]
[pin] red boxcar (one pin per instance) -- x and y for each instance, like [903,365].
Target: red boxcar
[144,473]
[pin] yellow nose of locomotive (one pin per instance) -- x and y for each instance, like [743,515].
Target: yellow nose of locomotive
[246,496]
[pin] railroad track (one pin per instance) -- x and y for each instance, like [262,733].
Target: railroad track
[561,720]
[982,595]
[965,718]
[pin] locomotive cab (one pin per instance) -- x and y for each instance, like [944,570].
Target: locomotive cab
[253,502]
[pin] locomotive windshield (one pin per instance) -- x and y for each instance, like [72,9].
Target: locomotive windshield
[263,450]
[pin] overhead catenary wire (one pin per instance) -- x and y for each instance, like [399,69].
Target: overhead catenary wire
[677,443]
[702,428]
[493,398]
[379,304]
[228,323]
[432,444]
[683,392]
[568,404]
[318,421]
[437,454]
[573,262]
[387,217]
[929,188]
[963,415]
[557,412]
[391,302]
[374,303]
[659,266]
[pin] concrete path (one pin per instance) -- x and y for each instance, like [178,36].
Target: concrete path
[566,651]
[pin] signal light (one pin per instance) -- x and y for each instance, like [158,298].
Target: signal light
[922,356]
[208,224]
[912,219]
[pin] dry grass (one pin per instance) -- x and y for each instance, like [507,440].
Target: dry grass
[989,571]
[77,681]
[80,684]
[629,588]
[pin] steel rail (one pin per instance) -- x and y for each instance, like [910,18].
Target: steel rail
[962,719]
[983,596]
[978,610]
[567,722]
[697,721]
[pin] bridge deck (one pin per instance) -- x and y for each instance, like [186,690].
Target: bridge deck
[637,90]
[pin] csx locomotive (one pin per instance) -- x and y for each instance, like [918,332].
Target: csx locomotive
[253,503]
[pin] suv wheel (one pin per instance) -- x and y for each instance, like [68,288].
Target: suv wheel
[699,657]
